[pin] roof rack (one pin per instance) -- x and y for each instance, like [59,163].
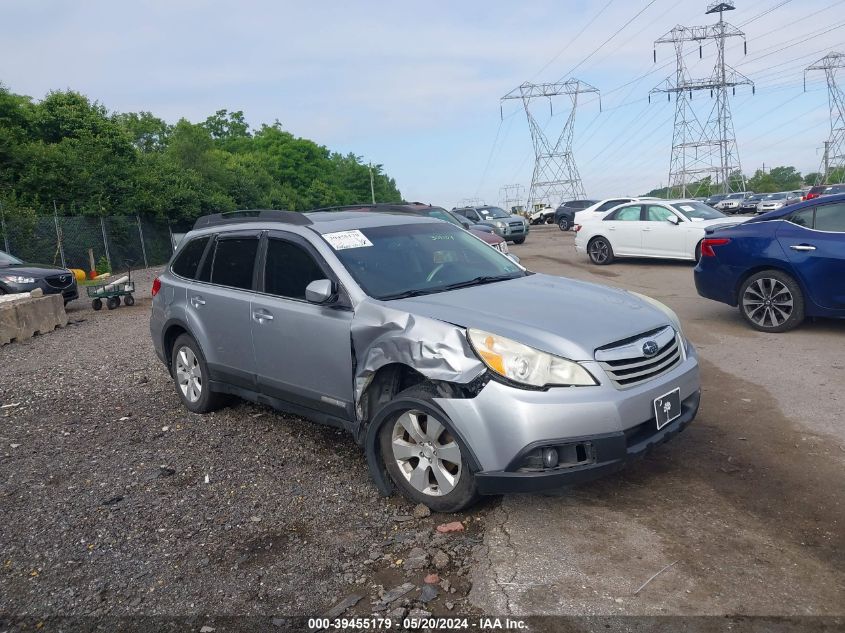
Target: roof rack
[252,215]
[371,205]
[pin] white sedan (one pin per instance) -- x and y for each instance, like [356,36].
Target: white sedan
[669,229]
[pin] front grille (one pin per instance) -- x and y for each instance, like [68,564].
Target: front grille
[627,366]
[59,282]
[516,227]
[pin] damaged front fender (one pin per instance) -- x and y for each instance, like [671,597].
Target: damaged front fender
[382,335]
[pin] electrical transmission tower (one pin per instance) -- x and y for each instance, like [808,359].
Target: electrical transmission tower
[511,197]
[703,153]
[555,177]
[834,147]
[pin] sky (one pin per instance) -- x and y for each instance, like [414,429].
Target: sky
[416,86]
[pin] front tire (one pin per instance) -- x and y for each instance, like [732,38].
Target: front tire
[771,301]
[190,376]
[600,251]
[425,460]
[564,224]
[519,240]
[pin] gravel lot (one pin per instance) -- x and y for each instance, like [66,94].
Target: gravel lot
[117,501]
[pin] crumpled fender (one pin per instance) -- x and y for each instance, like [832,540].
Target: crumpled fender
[383,335]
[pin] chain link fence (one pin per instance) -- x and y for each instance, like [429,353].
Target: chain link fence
[113,242]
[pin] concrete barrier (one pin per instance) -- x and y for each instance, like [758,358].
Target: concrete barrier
[23,318]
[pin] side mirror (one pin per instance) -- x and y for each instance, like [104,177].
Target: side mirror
[673,219]
[466,225]
[319,291]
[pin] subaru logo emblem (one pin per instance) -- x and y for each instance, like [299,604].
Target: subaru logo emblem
[63,278]
[650,348]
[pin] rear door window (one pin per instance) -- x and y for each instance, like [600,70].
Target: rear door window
[188,260]
[626,214]
[234,261]
[804,218]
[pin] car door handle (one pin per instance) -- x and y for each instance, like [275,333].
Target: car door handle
[197,301]
[802,247]
[611,228]
[262,315]
[645,228]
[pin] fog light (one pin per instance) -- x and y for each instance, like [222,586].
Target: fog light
[550,458]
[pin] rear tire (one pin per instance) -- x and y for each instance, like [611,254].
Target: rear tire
[129,300]
[97,304]
[190,377]
[600,251]
[771,301]
[425,460]
[564,224]
[697,254]
[112,302]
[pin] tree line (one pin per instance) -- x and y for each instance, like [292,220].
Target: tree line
[783,178]
[90,161]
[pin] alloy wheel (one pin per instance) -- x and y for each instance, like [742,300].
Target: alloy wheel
[768,302]
[189,374]
[599,251]
[426,453]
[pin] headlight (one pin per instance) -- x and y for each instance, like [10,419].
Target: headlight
[673,318]
[17,279]
[526,365]
[499,224]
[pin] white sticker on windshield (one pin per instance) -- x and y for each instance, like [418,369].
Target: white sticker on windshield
[347,239]
[686,207]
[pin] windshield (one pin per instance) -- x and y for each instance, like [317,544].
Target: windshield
[8,260]
[694,210]
[735,196]
[391,262]
[492,212]
[755,198]
[775,196]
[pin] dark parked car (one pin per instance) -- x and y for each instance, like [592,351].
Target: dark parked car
[749,205]
[824,190]
[513,228]
[779,267]
[565,213]
[715,199]
[17,276]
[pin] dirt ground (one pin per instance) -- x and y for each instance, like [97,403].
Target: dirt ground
[116,501]
[746,507]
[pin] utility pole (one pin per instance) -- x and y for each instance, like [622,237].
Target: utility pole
[834,147]
[555,176]
[372,186]
[708,149]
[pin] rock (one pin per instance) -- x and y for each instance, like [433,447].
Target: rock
[113,500]
[445,585]
[280,622]
[421,511]
[397,614]
[163,471]
[419,614]
[396,593]
[349,601]
[417,559]
[440,559]
[427,593]
[255,519]
[450,605]
[207,629]
[432,579]
[454,526]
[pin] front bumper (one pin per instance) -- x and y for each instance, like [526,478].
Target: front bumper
[502,423]
[611,452]
[69,292]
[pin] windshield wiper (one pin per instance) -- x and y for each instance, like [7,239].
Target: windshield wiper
[408,293]
[477,281]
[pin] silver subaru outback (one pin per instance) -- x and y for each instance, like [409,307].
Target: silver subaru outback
[460,372]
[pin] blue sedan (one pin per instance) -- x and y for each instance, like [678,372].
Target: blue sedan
[779,267]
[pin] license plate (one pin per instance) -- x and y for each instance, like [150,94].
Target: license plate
[667,407]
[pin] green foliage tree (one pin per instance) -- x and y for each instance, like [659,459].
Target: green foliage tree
[72,150]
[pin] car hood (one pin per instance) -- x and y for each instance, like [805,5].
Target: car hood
[490,238]
[32,270]
[561,316]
